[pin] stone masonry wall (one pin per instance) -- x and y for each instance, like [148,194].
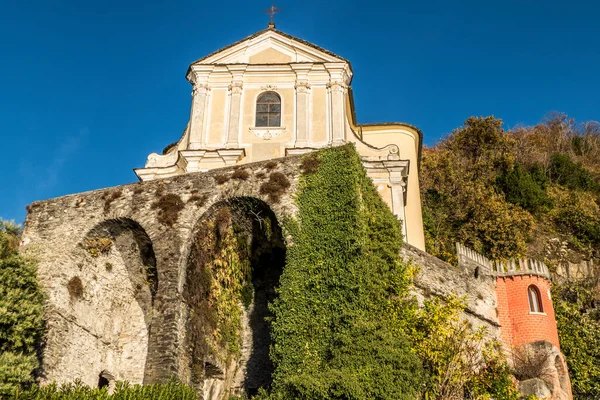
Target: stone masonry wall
[438,278]
[111,322]
[129,247]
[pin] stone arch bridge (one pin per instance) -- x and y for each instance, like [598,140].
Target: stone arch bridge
[115,264]
[120,269]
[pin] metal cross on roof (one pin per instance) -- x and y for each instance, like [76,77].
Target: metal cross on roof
[272,11]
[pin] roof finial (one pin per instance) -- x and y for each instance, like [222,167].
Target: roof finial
[272,11]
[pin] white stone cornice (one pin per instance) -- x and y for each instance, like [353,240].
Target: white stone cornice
[236,68]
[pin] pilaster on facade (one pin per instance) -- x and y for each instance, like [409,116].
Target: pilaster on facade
[198,116]
[199,77]
[337,90]
[394,174]
[235,102]
[303,93]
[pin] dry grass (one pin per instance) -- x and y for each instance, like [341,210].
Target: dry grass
[275,187]
[75,288]
[109,197]
[240,174]
[198,199]
[310,164]
[96,246]
[271,165]
[168,206]
[221,179]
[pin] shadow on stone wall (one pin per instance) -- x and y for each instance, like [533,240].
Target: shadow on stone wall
[233,269]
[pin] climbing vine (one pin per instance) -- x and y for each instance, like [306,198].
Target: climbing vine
[346,325]
[335,334]
[219,278]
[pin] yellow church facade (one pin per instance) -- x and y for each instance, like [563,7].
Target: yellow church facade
[271,95]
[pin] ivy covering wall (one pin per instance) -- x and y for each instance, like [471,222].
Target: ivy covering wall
[336,333]
[346,326]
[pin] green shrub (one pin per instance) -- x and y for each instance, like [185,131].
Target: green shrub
[172,390]
[526,188]
[579,334]
[574,176]
[576,213]
[21,313]
[460,362]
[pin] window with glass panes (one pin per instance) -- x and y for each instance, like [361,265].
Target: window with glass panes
[268,109]
[535,299]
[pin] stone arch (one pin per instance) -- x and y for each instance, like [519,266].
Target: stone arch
[238,241]
[113,309]
[141,247]
[561,370]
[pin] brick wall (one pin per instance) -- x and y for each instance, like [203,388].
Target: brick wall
[519,325]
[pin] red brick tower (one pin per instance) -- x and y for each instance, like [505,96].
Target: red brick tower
[525,311]
[525,308]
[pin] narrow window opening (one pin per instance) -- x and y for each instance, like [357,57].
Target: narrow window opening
[535,299]
[268,110]
[476,273]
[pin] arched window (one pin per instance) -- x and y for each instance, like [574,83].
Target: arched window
[268,109]
[535,299]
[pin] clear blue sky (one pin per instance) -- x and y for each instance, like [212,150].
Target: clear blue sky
[89,88]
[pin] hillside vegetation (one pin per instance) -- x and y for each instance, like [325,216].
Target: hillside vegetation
[530,191]
[507,193]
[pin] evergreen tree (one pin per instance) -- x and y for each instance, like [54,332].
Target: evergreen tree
[21,313]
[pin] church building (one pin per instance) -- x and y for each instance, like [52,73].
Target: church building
[271,95]
[124,268]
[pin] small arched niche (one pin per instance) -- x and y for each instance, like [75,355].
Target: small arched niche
[106,380]
[236,259]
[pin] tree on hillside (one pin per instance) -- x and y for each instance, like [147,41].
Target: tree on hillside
[21,313]
[460,200]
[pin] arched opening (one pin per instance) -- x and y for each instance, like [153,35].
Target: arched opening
[235,262]
[563,377]
[535,299]
[268,110]
[476,273]
[112,301]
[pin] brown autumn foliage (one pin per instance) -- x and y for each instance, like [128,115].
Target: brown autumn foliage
[504,193]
